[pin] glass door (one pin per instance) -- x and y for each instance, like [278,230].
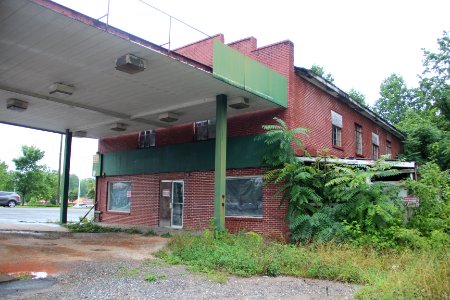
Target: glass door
[177,203]
[165,203]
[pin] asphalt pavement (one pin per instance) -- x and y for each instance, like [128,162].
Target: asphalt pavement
[44,215]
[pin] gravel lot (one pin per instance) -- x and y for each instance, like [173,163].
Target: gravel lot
[116,275]
[119,280]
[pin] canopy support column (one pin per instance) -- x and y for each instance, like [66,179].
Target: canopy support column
[220,162]
[66,173]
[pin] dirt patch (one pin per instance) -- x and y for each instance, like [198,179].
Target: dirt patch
[25,252]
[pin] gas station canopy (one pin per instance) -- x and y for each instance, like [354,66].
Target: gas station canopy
[61,70]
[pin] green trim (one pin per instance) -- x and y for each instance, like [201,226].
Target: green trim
[242,152]
[220,162]
[236,69]
[97,165]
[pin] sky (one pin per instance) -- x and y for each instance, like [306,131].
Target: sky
[359,42]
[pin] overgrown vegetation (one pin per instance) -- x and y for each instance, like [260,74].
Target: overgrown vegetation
[387,274]
[91,227]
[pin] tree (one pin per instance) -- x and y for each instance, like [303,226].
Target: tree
[73,187]
[88,188]
[29,176]
[425,141]
[434,85]
[395,99]
[51,186]
[6,178]
[358,96]
[318,70]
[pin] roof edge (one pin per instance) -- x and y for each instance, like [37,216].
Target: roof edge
[336,92]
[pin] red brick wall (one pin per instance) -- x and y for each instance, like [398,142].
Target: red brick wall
[313,111]
[244,46]
[198,202]
[201,51]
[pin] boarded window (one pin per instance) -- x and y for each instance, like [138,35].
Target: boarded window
[358,139]
[119,196]
[389,148]
[147,139]
[244,197]
[205,130]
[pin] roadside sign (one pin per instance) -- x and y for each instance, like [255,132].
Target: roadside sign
[411,201]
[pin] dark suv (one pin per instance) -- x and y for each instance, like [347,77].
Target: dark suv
[10,199]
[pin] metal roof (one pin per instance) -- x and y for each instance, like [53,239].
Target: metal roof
[42,43]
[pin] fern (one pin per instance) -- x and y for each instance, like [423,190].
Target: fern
[323,197]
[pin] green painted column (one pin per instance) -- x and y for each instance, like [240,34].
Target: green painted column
[66,173]
[220,162]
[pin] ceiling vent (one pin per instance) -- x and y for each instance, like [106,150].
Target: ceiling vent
[80,134]
[239,103]
[168,117]
[119,127]
[60,88]
[130,64]
[16,104]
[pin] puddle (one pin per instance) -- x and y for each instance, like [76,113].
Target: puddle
[32,233]
[39,275]
[18,286]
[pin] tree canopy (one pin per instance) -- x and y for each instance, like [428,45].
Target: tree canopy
[357,95]
[422,112]
[318,70]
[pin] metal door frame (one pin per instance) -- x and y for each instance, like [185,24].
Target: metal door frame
[182,205]
[171,202]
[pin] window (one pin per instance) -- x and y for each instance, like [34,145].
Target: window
[375,146]
[205,130]
[336,121]
[388,148]
[336,136]
[358,139]
[119,196]
[147,139]
[244,197]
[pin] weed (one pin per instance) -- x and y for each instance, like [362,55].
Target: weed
[125,271]
[90,228]
[152,277]
[166,235]
[22,276]
[132,231]
[149,233]
[154,262]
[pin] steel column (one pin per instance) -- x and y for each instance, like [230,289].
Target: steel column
[66,173]
[220,162]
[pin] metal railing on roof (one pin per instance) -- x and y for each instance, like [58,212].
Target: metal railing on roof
[140,18]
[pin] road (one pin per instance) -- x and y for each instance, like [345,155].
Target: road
[39,215]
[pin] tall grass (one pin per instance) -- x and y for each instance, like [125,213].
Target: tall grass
[402,274]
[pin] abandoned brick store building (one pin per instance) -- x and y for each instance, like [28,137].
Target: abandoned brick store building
[165,176]
[176,127]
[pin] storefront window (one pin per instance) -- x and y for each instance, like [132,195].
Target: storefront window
[119,196]
[244,197]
